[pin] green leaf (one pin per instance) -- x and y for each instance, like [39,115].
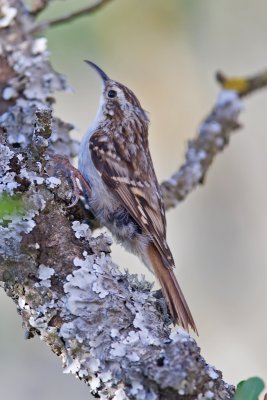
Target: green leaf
[10,206]
[249,389]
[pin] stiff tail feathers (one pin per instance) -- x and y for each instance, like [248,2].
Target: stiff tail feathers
[171,290]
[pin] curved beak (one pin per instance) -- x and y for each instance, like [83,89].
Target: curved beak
[100,72]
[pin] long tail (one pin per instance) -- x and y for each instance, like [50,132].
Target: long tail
[171,290]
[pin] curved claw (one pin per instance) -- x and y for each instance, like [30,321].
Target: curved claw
[75,175]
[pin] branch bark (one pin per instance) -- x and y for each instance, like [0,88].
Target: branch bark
[70,17]
[107,326]
[38,6]
[212,138]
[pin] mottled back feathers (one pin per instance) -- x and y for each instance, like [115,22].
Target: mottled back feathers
[120,153]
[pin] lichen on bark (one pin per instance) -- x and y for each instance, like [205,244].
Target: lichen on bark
[106,325]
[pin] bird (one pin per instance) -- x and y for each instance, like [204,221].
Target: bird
[115,161]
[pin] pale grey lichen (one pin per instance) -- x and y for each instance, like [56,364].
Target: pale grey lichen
[120,395]
[88,343]
[82,230]
[81,300]
[106,325]
[209,395]
[7,15]
[180,335]
[118,350]
[15,227]
[9,93]
[213,135]
[31,176]
[213,127]
[7,183]
[60,142]
[52,182]
[212,373]
[72,366]
[229,105]
[39,45]
[44,274]
[5,156]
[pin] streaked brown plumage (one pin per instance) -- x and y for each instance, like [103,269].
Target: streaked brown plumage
[115,160]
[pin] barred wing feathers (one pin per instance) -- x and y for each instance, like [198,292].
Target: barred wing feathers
[130,174]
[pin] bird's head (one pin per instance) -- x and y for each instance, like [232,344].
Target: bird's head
[118,102]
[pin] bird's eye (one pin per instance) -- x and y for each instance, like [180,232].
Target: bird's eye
[112,93]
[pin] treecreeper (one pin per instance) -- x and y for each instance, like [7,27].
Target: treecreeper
[115,161]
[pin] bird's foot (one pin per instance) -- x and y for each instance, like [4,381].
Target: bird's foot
[162,306]
[79,184]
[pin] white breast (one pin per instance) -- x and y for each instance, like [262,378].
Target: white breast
[102,202]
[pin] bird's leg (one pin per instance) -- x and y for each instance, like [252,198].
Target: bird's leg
[75,176]
[162,305]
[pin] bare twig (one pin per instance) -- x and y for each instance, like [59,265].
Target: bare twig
[71,16]
[38,6]
[213,136]
[243,86]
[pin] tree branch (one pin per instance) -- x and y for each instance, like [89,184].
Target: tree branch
[71,16]
[243,86]
[38,6]
[213,136]
[107,326]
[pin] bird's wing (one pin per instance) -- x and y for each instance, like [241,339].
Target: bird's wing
[128,172]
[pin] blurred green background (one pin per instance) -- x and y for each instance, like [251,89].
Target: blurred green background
[167,52]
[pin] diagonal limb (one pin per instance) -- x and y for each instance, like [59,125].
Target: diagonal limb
[213,136]
[69,17]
